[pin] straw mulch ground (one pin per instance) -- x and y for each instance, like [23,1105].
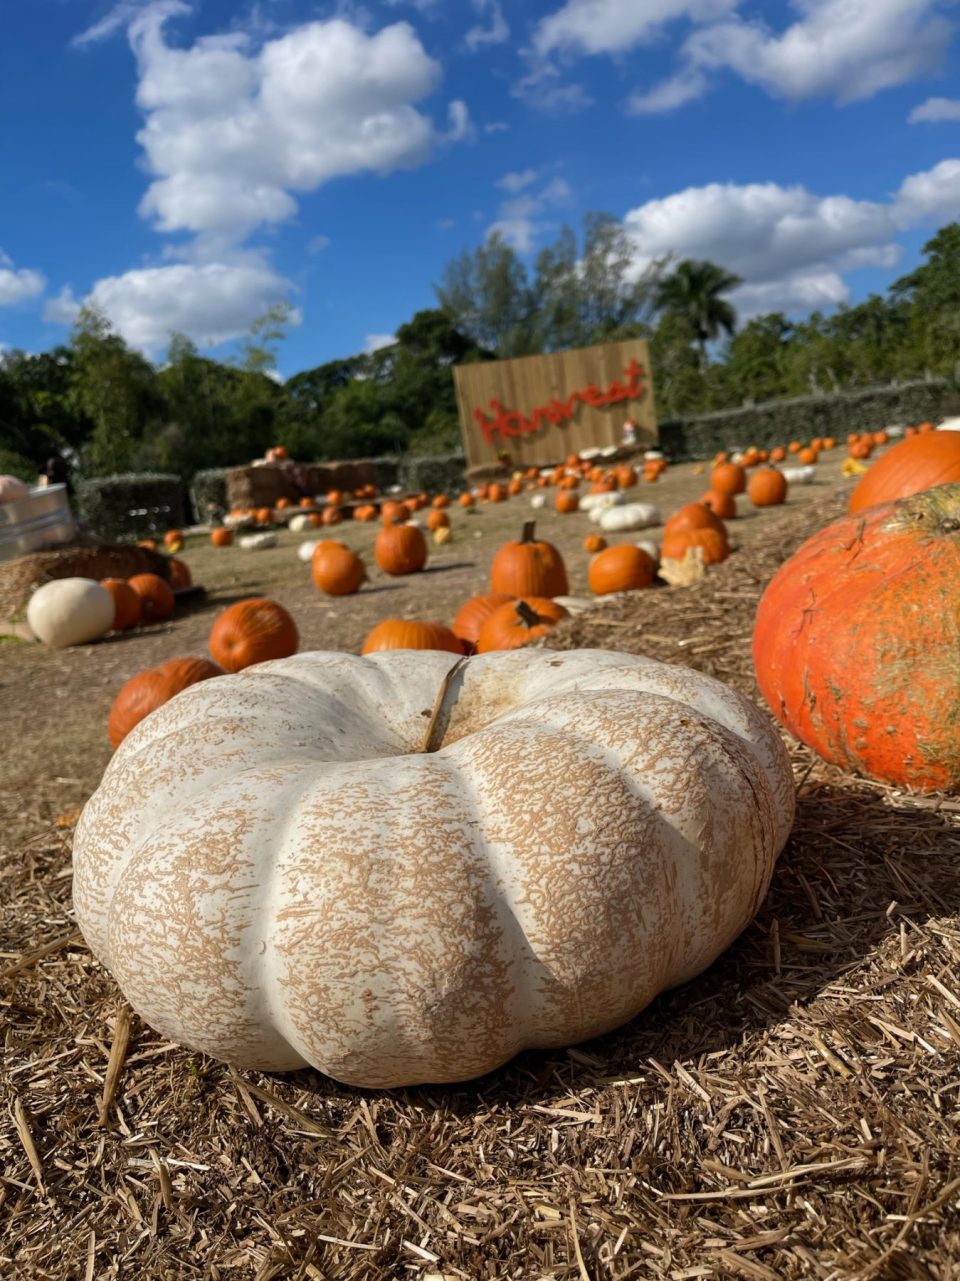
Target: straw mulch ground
[793,1113]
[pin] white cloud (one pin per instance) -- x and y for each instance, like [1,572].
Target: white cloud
[17,284]
[935,110]
[460,125]
[317,244]
[497,32]
[232,130]
[496,126]
[374,342]
[517,179]
[520,219]
[612,26]
[211,303]
[844,49]
[63,309]
[791,248]
[117,19]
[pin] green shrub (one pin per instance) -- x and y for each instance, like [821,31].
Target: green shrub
[131,506]
[208,486]
[434,474]
[14,464]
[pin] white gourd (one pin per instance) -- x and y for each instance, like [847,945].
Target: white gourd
[315,889]
[305,550]
[799,475]
[651,548]
[619,520]
[70,611]
[538,500]
[299,523]
[258,542]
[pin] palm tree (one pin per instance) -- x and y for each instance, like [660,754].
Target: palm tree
[693,291]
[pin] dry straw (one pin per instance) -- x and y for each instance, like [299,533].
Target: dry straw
[793,1113]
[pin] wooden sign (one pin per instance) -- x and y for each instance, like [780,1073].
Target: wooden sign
[538,409]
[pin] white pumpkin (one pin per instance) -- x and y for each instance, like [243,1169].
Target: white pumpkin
[305,550]
[314,889]
[258,542]
[802,475]
[70,611]
[651,548]
[12,489]
[300,522]
[618,520]
[538,500]
[590,502]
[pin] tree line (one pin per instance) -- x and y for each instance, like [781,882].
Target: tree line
[107,409]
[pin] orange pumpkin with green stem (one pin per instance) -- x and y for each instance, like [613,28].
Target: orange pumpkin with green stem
[856,640]
[518,623]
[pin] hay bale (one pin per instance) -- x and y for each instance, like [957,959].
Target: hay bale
[262,486]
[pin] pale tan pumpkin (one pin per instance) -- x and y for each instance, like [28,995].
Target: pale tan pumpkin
[277,875]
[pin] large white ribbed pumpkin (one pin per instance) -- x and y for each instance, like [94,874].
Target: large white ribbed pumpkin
[277,875]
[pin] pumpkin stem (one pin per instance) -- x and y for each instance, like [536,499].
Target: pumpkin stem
[529,526]
[528,615]
[432,739]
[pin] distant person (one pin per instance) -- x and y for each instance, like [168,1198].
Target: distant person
[629,434]
[55,472]
[215,514]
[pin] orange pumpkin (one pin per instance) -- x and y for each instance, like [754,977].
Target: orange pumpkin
[807,456]
[335,569]
[626,476]
[149,543]
[147,691]
[594,543]
[331,516]
[496,494]
[767,487]
[693,516]
[126,603]
[529,567]
[722,505]
[173,539]
[264,515]
[728,478]
[474,612]
[712,543]
[283,504]
[278,454]
[394,513]
[403,633]
[620,569]
[855,641]
[861,449]
[880,438]
[306,502]
[438,519]
[180,575]
[466,499]
[400,549]
[221,537]
[518,623]
[253,631]
[911,466]
[156,597]
[777,454]
[794,447]
[566,501]
[515,487]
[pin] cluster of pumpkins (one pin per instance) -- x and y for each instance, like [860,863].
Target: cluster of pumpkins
[75,611]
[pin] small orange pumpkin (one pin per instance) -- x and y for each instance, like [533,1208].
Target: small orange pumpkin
[148,690]
[518,623]
[722,505]
[529,567]
[156,597]
[221,537]
[180,575]
[566,501]
[728,478]
[126,603]
[335,569]
[767,487]
[253,631]
[594,543]
[474,612]
[403,633]
[623,568]
[400,549]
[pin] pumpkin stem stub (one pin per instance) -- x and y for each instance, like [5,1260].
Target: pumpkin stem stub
[432,739]
[528,615]
[529,532]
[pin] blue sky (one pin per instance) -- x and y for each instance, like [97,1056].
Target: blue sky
[185,163]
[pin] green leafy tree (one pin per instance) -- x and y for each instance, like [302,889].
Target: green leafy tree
[694,291]
[486,295]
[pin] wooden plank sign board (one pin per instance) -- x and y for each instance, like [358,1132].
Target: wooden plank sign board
[538,409]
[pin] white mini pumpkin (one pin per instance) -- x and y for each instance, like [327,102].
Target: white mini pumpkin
[258,542]
[276,875]
[618,520]
[300,522]
[70,611]
[538,500]
[305,550]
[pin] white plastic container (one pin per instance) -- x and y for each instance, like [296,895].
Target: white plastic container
[43,519]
